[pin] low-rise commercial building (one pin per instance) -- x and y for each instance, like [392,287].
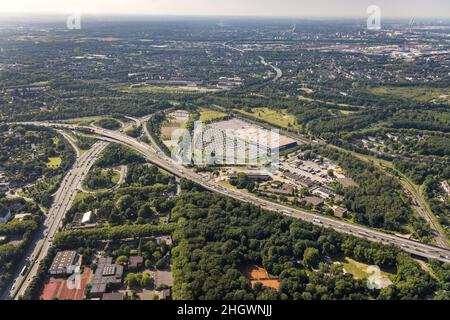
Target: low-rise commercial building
[315,202]
[106,277]
[63,263]
[135,263]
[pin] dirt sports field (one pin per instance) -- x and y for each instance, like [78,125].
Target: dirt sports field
[58,288]
[253,272]
[258,274]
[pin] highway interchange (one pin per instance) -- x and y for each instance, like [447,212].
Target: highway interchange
[64,198]
[157,157]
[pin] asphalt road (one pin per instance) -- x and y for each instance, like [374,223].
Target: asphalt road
[277,70]
[42,242]
[421,207]
[156,157]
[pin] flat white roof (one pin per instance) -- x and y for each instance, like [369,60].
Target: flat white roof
[86,217]
[252,133]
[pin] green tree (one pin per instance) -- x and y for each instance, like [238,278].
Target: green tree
[311,257]
[122,260]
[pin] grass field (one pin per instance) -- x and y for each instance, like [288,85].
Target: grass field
[420,94]
[164,89]
[80,196]
[40,84]
[84,121]
[359,270]
[116,177]
[54,162]
[276,117]
[168,127]
[55,140]
[330,103]
[346,112]
[110,124]
[209,115]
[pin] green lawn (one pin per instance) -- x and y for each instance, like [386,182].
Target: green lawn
[55,141]
[115,178]
[40,84]
[80,196]
[330,103]
[109,124]
[278,118]
[420,94]
[209,115]
[346,112]
[54,162]
[163,89]
[359,270]
[84,121]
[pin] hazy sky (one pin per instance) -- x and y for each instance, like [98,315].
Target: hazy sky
[301,8]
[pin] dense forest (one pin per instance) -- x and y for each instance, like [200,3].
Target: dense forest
[25,152]
[117,154]
[142,199]
[216,235]
[378,201]
[18,236]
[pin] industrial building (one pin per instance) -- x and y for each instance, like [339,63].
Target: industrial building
[237,142]
[63,263]
[106,277]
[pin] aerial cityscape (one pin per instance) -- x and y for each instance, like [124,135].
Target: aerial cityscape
[212,154]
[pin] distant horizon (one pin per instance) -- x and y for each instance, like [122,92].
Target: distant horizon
[148,15]
[431,9]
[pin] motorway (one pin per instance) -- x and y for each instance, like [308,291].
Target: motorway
[277,70]
[158,158]
[263,61]
[413,193]
[64,198]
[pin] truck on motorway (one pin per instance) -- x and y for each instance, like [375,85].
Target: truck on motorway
[363,233]
[24,269]
[317,221]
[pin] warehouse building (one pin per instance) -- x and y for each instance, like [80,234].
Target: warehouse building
[107,276]
[237,142]
[63,263]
